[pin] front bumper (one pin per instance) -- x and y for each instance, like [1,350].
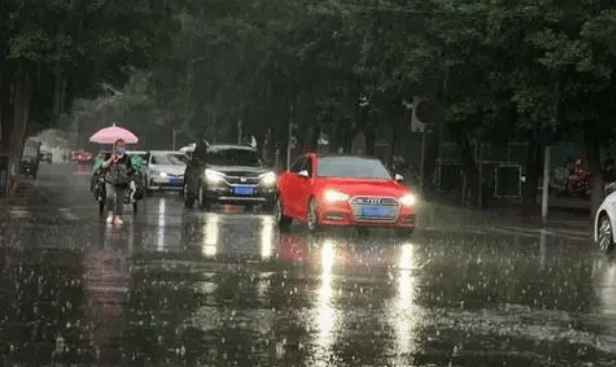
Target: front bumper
[343,214]
[226,194]
[166,183]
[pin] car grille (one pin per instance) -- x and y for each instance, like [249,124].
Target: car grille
[360,202]
[237,180]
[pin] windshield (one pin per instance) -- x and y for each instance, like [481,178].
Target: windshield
[234,157]
[351,167]
[172,159]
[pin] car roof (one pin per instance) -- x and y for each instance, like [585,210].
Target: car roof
[333,155]
[165,152]
[215,147]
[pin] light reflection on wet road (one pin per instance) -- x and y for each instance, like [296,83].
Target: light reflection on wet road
[174,286]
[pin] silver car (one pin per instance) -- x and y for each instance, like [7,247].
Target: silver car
[165,170]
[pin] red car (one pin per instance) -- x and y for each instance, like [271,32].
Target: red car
[339,190]
[84,157]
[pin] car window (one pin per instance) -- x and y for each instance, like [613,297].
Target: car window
[351,167]
[169,159]
[298,165]
[234,157]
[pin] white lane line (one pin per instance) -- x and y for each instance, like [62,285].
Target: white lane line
[67,214]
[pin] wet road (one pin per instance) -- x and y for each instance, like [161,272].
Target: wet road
[178,287]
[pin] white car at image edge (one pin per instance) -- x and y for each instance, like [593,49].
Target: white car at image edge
[606,219]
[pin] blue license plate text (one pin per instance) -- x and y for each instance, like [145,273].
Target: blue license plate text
[243,191]
[374,211]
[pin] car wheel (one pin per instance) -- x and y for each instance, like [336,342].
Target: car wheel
[605,233]
[282,220]
[404,232]
[313,218]
[270,206]
[189,198]
[135,208]
[204,204]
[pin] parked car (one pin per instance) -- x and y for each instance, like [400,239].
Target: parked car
[45,156]
[343,190]
[228,174]
[165,170]
[30,158]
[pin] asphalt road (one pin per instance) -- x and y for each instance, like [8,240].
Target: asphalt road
[180,287]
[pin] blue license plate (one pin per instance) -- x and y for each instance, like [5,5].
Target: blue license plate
[374,211]
[175,181]
[243,191]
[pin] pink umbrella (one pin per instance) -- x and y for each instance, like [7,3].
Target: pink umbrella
[109,135]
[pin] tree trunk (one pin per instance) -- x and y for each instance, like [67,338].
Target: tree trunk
[593,157]
[469,166]
[20,106]
[431,154]
[370,139]
[533,173]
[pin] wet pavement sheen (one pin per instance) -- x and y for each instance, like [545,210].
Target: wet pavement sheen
[181,287]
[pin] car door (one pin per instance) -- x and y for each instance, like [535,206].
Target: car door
[290,192]
[304,187]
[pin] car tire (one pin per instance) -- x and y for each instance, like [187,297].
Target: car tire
[269,207]
[135,208]
[204,204]
[189,198]
[313,217]
[282,220]
[405,232]
[605,233]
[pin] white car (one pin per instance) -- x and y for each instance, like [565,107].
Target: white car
[165,170]
[605,219]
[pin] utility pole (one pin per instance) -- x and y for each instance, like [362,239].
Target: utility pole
[173,139]
[546,183]
[423,160]
[290,138]
[239,131]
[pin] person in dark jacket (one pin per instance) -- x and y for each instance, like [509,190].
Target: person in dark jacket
[117,169]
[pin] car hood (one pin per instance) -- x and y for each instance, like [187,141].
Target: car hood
[169,169]
[364,187]
[239,170]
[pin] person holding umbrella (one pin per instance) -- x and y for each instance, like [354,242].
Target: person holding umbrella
[116,167]
[117,177]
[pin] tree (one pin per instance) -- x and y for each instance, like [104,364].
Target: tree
[66,49]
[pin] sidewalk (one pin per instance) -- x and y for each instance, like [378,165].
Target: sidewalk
[441,215]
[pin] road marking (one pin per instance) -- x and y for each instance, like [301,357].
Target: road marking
[84,173]
[67,214]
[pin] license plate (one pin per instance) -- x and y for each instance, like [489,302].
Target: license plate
[374,211]
[176,181]
[243,191]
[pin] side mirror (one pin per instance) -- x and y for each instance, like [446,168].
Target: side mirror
[398,177]
[304,173]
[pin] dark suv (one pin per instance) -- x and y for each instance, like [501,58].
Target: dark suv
[228,174]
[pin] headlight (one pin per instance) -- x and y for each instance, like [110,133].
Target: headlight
[214,177]
[268,179]
[408,200]
[333,196]
[162,174]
